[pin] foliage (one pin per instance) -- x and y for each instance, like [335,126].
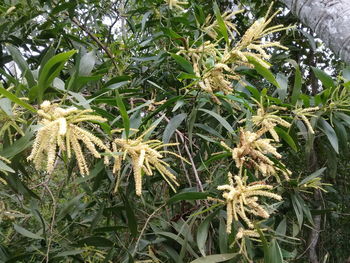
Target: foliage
[167,131]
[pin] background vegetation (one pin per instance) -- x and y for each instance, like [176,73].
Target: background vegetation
[130,62]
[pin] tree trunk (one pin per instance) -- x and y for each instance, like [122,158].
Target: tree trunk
[329,19]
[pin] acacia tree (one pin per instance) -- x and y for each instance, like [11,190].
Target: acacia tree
[166,131]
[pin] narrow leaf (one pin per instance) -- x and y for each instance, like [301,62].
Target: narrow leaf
[26,233]
[173,124]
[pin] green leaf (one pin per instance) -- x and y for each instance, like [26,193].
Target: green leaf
[286,137]
[202,232]
[315,174]
[16,100]
[221,22]
[22,64]
[179,240]
[297,82]
[49,72]
[263,71]
[274,253]
[87,63]
[5,167]
[326,80]
[123,113]
[215,258]
[132,222]
[173,124]
[68,253]
[183,63]
[330,133]
[95,241]
[282,81]
[222,121]
[25,232]
[187,196]
[298,210]
[18,146]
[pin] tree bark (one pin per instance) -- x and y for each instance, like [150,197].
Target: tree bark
[329,19]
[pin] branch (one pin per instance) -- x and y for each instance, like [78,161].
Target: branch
[98,42]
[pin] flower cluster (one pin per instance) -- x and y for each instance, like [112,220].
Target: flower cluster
[303,113]
[59,131]
[175,4]
[9,120]
[216,67]
[145,157]
[251,152]
[241,199]
[267,119]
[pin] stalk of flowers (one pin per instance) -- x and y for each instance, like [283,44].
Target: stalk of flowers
[11,120]
[303,113]
[60,131]
[145,158]
[242,199]
[267,119]
[251,152]
[175,4]
[217,76]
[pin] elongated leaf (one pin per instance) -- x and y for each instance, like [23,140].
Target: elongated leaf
[26,233]
[87,63]
[220,21]
[274,253]
[286,137]
[297,82]
[202,232]
[95,241]
[318,173]
[15,99]
[263,71]
[68,253]
[220,119]
[5,167]
[49,72]
[22,64]
[187,196]
[215,258]
[330,133]
[173,124]
[326,80]
[132,222]
[123,113]
[183,63]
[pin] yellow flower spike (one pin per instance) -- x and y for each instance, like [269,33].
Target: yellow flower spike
[241,199]
[144,158]
[59,130]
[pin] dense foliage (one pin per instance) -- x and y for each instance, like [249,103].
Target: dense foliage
[169,131]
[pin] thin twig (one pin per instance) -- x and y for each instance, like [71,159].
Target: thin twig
[182,137]
[145,226]
[98,42]
[183,163]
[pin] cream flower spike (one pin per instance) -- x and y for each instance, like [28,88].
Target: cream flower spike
[267,119]
[241,199]
[251,152]
[175,4]
[303,113]
[59,130]
[145,157]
